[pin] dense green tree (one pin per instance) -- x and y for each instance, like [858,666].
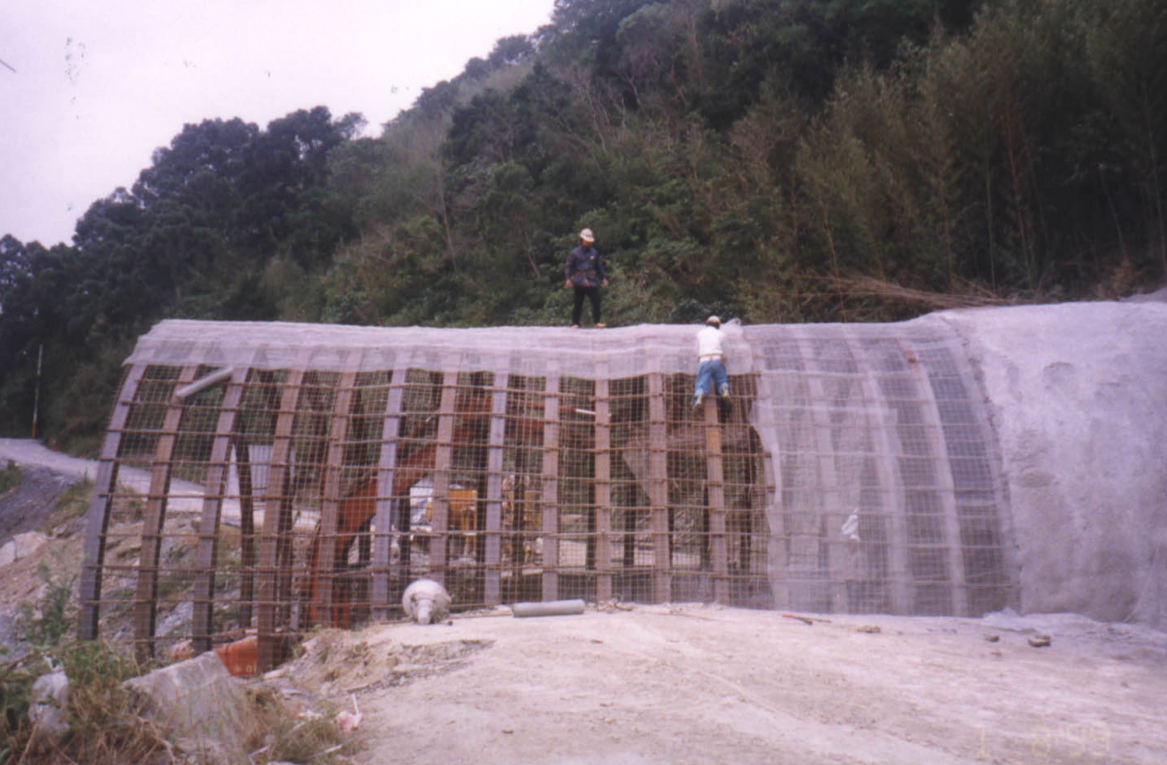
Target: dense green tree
[191,238]
[752,158]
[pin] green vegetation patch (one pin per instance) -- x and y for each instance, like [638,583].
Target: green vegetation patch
[796,161]
[104,721]
[73,504]
[9,477]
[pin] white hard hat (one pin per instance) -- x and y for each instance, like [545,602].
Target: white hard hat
[587,235]
[714,321]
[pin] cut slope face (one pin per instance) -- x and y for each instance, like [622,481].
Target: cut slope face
[854,468]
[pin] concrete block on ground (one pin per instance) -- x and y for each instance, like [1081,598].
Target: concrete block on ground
[201,703]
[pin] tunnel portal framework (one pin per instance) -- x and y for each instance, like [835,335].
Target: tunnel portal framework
[302,475]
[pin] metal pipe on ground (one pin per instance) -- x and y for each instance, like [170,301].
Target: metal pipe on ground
[550,608]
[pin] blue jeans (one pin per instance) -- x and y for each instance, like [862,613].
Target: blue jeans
[714,370]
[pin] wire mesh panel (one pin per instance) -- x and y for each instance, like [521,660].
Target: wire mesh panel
[880,450]
[577,485]
[631,516]
[979,524]
[524,488]
[270,478]
[747,529]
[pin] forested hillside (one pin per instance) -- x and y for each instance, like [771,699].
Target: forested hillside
[802,160]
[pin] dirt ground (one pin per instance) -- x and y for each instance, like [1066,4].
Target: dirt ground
[26,508]
[703,684]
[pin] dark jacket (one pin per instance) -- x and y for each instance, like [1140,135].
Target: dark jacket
[585,268]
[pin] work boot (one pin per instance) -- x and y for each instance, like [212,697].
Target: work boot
[723,390]
[698,399]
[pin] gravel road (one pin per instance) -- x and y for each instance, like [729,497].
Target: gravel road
[185,496]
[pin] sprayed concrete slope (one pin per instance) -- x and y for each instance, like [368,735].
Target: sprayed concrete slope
[1077,395]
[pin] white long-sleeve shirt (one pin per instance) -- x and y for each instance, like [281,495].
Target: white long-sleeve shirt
[710,344]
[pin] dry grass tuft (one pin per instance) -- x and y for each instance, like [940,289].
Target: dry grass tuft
[281,735]
[969,296]
[105,724]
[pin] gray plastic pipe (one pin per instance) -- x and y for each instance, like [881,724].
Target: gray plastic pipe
[214,378]
[550,608]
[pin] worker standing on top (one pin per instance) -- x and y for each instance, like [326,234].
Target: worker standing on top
[711,361]
[585,274]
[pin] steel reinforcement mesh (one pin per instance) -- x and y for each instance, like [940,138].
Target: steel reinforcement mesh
[269,478]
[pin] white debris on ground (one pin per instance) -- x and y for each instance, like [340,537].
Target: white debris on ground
[47,712]
[202,703]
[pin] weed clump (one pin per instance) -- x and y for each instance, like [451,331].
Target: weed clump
[107,722]
[44,624]
[310,736]
[71,505]
[10,476]
[104,724]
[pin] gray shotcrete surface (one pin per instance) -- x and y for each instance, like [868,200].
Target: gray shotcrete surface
[1077,394]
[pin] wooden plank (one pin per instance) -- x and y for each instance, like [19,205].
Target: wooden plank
[382,549]
[492,586]
[715,487]
[603,484]
[204,589]
[277,521]
[104,488]
[145,605]
[443,461]
[750,500]
[326,562]
[658,490]
[776,556]
[551,485]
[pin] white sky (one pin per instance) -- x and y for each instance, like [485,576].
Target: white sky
[99,84]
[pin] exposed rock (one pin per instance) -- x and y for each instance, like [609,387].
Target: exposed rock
[21,546]
[202,703]
[50,694]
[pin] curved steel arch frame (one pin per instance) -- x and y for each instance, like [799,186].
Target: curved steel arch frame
[275,476]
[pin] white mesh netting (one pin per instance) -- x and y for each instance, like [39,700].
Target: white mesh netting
[852,469]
